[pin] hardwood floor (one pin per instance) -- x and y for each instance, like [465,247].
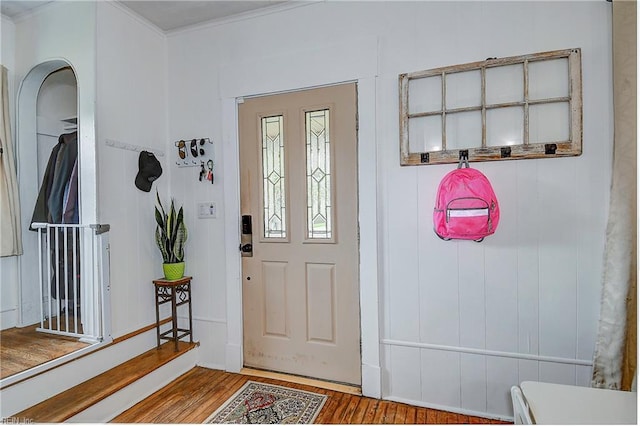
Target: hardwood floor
[25,348]
[193,397]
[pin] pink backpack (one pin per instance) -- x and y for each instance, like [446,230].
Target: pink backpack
[466,206]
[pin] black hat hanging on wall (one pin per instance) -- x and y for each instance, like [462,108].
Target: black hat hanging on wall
[149,169]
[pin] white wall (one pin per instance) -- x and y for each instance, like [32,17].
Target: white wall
[55,34]
[132,109]
[531,290]
[66,30]
[122,89]
[8,265]
[458,318]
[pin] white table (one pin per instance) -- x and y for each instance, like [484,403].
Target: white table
[562,404]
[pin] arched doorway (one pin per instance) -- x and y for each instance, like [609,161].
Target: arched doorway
[32,143]
[56,84]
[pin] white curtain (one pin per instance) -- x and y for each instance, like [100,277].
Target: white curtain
[615,346]
[10,241]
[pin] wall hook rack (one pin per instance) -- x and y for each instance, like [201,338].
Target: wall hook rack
[131,147]
[191,152]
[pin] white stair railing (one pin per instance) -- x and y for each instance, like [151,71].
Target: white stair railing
[73,262]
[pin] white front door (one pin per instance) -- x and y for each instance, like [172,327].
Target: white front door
[298,165]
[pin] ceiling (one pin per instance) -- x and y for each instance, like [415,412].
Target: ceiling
[166,15]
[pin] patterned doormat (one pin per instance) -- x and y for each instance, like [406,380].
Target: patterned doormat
[261,403]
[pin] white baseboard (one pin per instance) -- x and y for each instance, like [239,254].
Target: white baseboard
[371,381]
[457,410]
[211,366]
[233,358]
[8,318]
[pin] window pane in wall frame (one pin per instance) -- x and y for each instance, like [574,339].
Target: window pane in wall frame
[531,104]
[273,178]
[428,94]
[505,126]
[425,134]
[546,122]
[463,89]
[505,84]
[543,81]
[464,130]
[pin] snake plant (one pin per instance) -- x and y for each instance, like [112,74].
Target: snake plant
[171,233]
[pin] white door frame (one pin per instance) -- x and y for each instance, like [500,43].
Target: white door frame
[359,64]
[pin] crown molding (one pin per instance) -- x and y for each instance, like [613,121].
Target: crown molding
[140,19]
[6,19]
[252,14]
[22,16]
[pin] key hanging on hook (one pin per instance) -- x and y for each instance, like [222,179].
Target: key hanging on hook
[202,172]
[210,167]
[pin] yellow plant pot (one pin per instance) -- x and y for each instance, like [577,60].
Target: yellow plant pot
[173,271]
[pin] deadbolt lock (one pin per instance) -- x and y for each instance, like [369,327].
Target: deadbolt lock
[246,238]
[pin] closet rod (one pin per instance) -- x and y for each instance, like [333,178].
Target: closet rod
[130,147]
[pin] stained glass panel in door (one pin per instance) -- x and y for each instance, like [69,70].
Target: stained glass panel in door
[273,178]
[319,196]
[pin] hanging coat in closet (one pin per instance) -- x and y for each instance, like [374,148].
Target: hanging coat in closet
[57,175]
[62,175]
[58,203]
[41,211]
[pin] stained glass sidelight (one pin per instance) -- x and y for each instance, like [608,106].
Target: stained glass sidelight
[273,178]
[319,206]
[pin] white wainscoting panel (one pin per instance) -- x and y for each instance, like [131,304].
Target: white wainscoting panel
[503,373]
[403,375]
[403,259]
[440,377]
[473,382]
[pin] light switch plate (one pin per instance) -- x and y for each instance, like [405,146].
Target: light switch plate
[207,210]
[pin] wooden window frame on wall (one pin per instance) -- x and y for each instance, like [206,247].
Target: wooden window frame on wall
[546,149]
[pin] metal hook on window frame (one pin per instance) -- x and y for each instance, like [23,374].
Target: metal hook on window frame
[463,156]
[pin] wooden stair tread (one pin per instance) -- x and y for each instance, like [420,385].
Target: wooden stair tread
[67,404]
